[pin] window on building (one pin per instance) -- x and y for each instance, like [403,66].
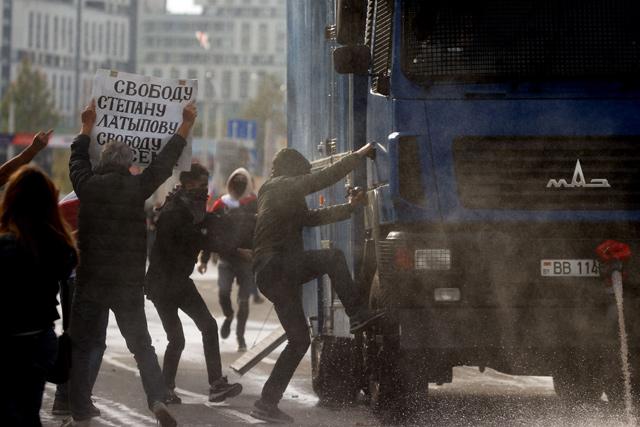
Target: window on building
[157,72]
[31,30]
[263,40]
[243,90]
[56,32]
[245,36]
[192,74]
[72,31]
[100,38]
[123,51]
[226,84]
[107,38]
[60,95]
[85,37]
[94,36]
[46,32]
[54,88]
[174,73]
[69,90]
[38,28]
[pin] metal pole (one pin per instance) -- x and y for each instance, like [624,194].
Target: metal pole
[76,104]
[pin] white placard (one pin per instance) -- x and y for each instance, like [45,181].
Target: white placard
[142,111]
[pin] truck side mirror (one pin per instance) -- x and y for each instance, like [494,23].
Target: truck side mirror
[352,59]
[350,21]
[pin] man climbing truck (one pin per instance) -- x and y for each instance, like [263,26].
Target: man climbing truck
[508,139]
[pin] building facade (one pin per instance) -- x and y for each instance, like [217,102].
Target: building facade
[46,32]
[229,48]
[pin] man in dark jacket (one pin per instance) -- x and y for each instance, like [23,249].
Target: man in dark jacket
[182,233]
[112,245]
[282,265]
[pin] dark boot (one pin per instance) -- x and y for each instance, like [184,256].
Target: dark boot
[270,413]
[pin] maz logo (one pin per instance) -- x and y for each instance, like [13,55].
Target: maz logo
[578,181]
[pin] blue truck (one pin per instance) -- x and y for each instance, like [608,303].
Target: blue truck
[508,140]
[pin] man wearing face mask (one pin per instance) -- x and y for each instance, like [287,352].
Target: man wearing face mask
[181,234]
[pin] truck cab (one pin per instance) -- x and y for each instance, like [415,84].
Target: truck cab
[507,142]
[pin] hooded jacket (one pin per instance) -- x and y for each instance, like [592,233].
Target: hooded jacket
[111,221]
[237,215]
[282,208]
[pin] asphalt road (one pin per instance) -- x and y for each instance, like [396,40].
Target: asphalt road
[473,399]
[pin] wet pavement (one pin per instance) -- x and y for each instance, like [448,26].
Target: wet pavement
[473,399]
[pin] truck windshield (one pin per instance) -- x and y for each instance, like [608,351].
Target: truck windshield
[500,40]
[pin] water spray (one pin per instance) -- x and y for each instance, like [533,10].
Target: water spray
[613,256]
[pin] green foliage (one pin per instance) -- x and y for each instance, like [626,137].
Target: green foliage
[34,107]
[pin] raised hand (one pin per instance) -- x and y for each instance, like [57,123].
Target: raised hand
[189,113]
[88,118]
[41,140]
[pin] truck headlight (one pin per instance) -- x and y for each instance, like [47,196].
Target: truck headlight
[432,259]
[446,294]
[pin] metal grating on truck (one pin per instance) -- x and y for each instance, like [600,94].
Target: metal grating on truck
[533,173]
[463,40]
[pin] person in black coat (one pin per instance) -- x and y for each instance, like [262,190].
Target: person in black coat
[181,234]
[36,251]
[112,245]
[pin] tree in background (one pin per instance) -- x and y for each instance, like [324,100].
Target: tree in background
[268,110]
[33,104]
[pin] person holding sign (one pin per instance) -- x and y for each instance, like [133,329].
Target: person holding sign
[112,246]
[182,232]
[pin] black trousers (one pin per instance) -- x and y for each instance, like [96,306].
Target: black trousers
[243,273]
[88,330]
[280,280]
[192,304]
[27,360]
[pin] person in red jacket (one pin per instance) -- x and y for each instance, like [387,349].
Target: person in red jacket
[238,209]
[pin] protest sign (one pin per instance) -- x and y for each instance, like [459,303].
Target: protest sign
[142,111]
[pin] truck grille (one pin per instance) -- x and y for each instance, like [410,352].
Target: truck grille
[520,38]
[515,173]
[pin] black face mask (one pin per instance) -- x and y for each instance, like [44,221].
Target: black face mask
[196,201]
[197,194]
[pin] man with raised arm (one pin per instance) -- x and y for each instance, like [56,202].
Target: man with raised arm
[112,246]
[282,265]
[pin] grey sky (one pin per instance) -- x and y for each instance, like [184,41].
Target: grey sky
[182,6]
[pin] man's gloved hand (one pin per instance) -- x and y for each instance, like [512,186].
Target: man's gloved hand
[357,197]
[88,118]
[367,150]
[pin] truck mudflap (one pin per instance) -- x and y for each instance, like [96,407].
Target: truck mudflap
[457,328]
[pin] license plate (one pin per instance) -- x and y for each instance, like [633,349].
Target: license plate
[569,268]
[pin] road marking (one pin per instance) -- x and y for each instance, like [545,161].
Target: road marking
[113,412]
[196,398]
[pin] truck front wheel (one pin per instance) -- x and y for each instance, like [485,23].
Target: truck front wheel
[336,369]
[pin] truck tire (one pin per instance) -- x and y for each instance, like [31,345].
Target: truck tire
[398,383]
[336,370]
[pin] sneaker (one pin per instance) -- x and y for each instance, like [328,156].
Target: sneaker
[242,346]
[225,330]
[363,318]
[172,398]
[60,407]
[221,389]
[270,413]
[70,422]
[164,417]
